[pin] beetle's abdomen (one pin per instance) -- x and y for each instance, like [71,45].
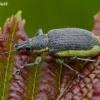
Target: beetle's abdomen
[70,41]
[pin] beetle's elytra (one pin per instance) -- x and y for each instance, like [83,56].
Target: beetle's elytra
[71,42]
[61,43]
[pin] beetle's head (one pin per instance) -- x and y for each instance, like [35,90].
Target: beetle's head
[24,46]
[19,47]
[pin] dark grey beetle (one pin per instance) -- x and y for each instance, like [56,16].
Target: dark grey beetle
[73,43]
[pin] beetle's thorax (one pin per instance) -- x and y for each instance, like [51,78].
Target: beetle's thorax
[39,43]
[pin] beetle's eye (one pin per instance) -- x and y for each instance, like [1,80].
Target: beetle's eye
[27,48]
[16,46]
[19,49]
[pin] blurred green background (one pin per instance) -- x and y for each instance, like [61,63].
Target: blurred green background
[50,14]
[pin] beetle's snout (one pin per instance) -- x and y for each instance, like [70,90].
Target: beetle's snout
[22,47]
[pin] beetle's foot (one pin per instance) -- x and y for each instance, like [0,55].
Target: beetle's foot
[79,76]
[16,72]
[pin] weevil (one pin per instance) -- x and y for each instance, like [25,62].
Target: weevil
[73,43]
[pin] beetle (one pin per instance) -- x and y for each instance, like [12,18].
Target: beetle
[73,43]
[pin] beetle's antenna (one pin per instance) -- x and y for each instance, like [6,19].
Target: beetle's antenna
[3,53]
[8,39]
[10,52]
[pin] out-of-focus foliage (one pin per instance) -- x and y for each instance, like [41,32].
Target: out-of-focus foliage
[49,14]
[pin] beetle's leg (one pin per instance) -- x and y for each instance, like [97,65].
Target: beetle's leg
[39,32]
[77,73]
[83,59]
[37,61]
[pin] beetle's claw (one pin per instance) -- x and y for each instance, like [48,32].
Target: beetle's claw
[16,72]
[79,76]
